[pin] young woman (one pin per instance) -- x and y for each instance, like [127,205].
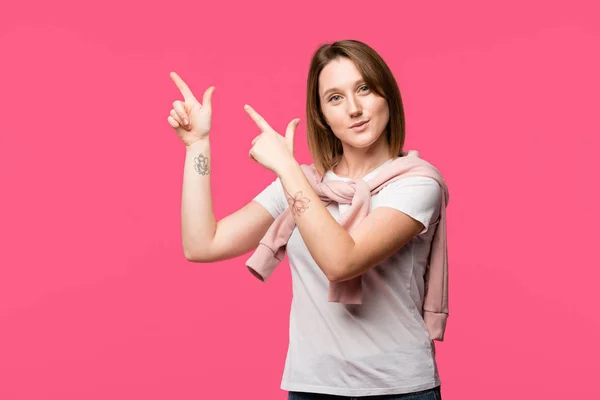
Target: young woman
[360,228]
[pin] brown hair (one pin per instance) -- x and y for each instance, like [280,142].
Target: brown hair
[325,148]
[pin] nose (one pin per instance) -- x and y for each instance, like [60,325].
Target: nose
[354,107]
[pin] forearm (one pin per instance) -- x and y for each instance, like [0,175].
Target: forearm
[198,223]
[327,241]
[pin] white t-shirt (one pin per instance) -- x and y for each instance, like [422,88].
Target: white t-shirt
[382,345]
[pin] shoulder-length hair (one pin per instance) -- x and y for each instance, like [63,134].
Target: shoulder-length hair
[325,148]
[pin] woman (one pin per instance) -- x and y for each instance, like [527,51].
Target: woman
[359,227]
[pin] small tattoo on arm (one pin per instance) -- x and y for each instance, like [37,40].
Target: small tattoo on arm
[201,165]
[298,203]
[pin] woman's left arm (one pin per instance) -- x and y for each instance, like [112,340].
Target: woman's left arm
[339,254]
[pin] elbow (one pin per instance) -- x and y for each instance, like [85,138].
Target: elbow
[334,278]
[344,272]
[338,274]
[342,266]
[196,255]
[189,255]
[338,277]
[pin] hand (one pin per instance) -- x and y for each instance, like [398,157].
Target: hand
[190,119]
[270,149]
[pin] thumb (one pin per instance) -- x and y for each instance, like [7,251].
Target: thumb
[289,133]
[207,98]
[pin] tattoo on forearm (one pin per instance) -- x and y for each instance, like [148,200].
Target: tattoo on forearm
[201,165]
[298,203]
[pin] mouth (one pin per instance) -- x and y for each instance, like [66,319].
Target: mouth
[359,125]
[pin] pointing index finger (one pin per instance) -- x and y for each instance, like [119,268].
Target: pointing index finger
[260,121]
[182,86]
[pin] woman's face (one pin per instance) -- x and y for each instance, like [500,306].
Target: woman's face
[356,115]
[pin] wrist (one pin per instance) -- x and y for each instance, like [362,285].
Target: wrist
[198,144]
[287,167]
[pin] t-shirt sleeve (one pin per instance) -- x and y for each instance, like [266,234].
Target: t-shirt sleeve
[418,197]
[272,198]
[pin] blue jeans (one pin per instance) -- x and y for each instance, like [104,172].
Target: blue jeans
[429,394]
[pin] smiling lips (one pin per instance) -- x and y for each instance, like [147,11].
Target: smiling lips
[359,126]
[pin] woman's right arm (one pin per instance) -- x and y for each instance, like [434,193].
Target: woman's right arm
[204,239]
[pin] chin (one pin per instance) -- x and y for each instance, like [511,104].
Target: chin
[362,139]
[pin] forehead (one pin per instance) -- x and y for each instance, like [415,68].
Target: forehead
[339,73]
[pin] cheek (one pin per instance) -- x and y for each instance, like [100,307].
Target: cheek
[334,118]
[382,110]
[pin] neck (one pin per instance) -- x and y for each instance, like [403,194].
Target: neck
[356,163]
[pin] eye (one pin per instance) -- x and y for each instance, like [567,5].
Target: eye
[364,88]
[335,97]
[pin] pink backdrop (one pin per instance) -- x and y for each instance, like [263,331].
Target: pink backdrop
[96,298]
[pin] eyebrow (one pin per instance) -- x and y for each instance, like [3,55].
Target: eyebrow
[357,83]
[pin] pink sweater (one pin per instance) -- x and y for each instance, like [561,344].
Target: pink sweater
[358,193]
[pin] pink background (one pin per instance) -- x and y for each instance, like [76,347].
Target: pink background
[96,298]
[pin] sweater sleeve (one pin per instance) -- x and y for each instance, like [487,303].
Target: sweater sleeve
[418,197]
[272,198]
